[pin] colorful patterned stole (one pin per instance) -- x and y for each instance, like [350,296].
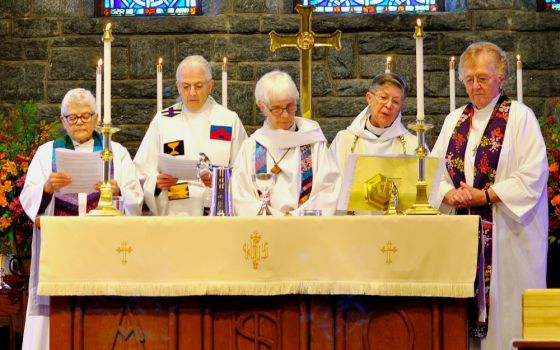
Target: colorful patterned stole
[306,169]
[485,164]
[66,204]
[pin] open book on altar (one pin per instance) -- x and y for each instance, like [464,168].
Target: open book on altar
[367,182]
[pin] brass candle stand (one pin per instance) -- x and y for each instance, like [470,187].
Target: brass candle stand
[105,204]
[421,204]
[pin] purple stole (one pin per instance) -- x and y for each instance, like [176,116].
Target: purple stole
[485,165]
[66,204]
[306,169]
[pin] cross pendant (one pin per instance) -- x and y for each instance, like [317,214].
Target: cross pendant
[276,169]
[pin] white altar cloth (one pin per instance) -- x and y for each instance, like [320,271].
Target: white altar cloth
[180,256]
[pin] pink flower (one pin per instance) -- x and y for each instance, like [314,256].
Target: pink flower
[21,181]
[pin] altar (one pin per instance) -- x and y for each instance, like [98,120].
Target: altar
[369,282]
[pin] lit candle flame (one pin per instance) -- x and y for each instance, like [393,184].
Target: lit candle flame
[389,59]
[225,60]
[160,61]
[419,22]
[452,58]
[100,62]
[518,57]
[108,26]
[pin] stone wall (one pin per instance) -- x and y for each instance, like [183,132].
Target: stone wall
[50,46]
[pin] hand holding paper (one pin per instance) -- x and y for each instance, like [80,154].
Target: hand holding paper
[85,170]
[56,181]
[178,167]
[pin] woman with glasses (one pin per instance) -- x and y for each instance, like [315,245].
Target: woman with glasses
[291,147]
[496,168]
[41,194]
[378,128]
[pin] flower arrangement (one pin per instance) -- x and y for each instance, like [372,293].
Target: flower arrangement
[20,135]
[550,126]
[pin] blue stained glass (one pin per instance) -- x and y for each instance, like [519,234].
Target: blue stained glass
[118,8]
[372,6]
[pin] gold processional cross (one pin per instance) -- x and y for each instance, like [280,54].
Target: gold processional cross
[388,248]
[305,40]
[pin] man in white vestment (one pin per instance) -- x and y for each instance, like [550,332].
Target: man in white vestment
[378,128]
[293,148]
[496,168]
[41,195]
[195,125]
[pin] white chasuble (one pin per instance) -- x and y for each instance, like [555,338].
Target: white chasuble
[213,130]
[283,148]
[520,236]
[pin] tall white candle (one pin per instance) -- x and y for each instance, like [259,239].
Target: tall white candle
[159,76]
[388,64]
[98,96]
[224,83]
[419,36]
[452,104]
[519,80]
[107,39]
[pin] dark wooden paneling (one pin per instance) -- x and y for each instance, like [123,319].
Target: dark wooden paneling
[254,323]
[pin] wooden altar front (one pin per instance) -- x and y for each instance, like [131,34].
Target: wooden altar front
[276,322]
[427,312]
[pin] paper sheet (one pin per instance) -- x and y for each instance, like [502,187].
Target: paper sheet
[183,169]
[85,169]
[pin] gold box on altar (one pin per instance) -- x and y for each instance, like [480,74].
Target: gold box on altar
[365,173]
[541,314]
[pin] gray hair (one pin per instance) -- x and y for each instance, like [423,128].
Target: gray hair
[275,85]
[385,79]
[77,96]
[494,51]
[194,61]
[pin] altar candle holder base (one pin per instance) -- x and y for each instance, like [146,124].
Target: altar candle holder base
[105,204]
[421,204]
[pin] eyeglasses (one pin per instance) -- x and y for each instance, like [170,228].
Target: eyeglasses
[278,111]
[482,80]
[384,99]
[84,117]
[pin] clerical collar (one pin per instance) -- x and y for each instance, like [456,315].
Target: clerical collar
[294,126]
[84,147]
[489,107]
[375,130]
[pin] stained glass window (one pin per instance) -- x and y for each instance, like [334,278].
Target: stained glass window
[548,5]
[142,8]
[373,6]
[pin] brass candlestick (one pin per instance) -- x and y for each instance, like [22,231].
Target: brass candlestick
[421,204]
[105,204]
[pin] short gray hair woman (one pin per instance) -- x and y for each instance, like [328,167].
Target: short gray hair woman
[385,79]
[496,168]
[78,96]
[275,85]
[194,61]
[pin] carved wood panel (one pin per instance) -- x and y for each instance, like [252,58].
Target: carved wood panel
[258,323]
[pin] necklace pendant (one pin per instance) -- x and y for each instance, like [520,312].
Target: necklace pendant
[276,169]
